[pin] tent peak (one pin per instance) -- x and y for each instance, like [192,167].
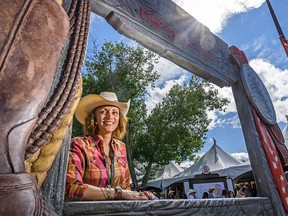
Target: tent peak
[214,141]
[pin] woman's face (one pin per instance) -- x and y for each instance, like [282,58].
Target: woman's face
[107,118]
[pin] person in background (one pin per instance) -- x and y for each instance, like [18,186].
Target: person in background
[97,164]
[239,191]
[210,193]
[171,194]
[161,195]
[246,191]
[224,193]
[177,195]
[183,196]
[191,194]
[231,194]
[205,195]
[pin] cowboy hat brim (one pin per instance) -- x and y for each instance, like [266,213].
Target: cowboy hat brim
[90,102]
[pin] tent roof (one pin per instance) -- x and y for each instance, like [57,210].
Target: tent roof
[218,161]
[215,158]
[169,170]
[232,172]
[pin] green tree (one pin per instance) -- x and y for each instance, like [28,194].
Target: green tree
[127,71]
[177,126]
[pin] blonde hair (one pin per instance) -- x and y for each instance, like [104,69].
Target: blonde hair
[91,128]
[238,186]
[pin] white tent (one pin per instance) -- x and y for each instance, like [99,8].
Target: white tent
[216,159]
[234,171]
[231,172]
[169,171]
[164,183]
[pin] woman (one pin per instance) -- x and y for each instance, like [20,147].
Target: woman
[239,191]
[231,194]
[211,193]
[97,166]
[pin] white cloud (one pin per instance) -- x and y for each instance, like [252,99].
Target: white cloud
[220,118]
[259,43]
[261,46]
[215,13]
[158,93]
[226,92]
[168,70]
[276,82]
[165,68]
[223,120]
[266,48]
[241,156]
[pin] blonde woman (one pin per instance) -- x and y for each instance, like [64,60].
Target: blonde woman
[239,191]
[97,166]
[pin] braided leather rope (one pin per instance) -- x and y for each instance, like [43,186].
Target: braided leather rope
[41,162]
[53,113]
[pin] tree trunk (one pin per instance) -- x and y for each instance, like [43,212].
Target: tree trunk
[130,161]
[147,174]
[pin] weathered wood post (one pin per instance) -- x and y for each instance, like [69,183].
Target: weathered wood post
[262,174]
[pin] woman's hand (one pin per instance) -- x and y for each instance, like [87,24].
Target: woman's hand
[135,195]
[150,195]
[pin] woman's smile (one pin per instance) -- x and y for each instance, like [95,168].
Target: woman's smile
[107,118]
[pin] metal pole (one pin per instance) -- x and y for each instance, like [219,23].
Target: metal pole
[280,32]
[278,27]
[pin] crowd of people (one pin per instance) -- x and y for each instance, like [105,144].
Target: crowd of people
[241,191]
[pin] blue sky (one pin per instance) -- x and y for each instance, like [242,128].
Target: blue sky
[246,24]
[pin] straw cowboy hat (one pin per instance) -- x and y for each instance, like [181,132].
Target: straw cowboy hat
[191,191]
[90,102]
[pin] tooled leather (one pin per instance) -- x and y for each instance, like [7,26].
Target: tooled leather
[52,114]
[21,189]
[32,42]
[31,39]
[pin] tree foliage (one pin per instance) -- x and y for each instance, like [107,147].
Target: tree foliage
[122,69]
[177,126]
